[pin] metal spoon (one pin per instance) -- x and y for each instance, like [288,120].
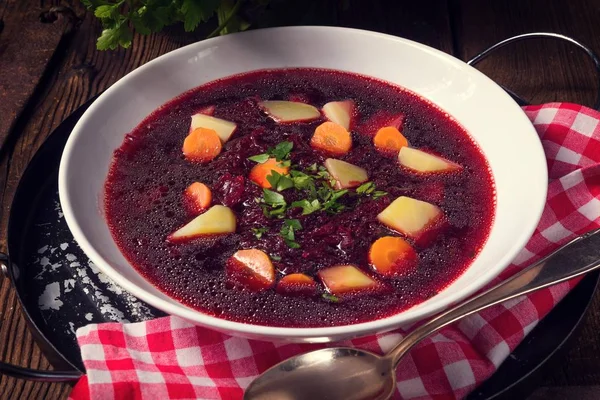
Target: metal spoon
[351,374]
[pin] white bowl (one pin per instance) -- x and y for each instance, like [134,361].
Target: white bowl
[495,121]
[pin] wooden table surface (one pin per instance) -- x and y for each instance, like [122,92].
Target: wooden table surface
[49,66]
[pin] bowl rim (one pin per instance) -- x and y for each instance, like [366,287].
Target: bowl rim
[277,332]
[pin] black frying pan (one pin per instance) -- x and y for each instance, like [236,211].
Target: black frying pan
[34,226]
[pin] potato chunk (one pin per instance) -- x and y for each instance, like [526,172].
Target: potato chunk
[223,128]
[347,278]
[411,217]
[216,220]
[340,112]
[420,161]
[289,111]
[345,174]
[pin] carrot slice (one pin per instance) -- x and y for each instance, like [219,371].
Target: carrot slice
[332,138]
[202,145]
[259,172]
[251,268]
[392,256]
[198,196]
[389,140]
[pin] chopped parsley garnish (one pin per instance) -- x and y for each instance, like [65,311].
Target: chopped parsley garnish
[281,152]
[275,257]
[274,204]
[301,180]
[260,158]
[368,189]
[280,182]
[288,232]
[365,188]
[308,207]
[272,198]
[259,232]
[315,183]
[331,297]
[378,193]
[331,205]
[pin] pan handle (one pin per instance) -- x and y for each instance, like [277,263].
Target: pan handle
[4,261]
[28,373]
[542,35]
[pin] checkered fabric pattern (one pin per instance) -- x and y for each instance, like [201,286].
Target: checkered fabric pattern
[169,358]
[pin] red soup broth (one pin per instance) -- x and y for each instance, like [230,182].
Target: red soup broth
[145,200]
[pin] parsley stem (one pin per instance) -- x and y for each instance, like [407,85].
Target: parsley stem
[226,21]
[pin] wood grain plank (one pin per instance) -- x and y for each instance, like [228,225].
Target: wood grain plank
[425,21]
[24,27]
[539,70]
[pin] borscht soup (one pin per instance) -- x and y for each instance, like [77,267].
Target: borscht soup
[299,198]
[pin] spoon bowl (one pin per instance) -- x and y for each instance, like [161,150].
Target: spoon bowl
[352,374]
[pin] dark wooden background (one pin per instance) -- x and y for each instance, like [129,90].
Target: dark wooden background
[49,66]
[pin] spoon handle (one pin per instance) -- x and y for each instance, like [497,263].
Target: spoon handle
[579,256]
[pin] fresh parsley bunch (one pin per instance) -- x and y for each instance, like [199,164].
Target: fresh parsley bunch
[120,18]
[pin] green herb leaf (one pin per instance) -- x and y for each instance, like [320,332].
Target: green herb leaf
[293,224]
[338,193]
[273,198]
[365,188]
[195,11]
[106,11]
[111,38]
[378,194]
[259,158]
[273,178]
[141,23]
[275,257]
[324,193]
[282,150]
[308,207]
[301,180]
[285,183]
[323,175]
[331,205]
[277,212]
[288,229]
[368,189]
[331,297]
[259,232]
[279,182]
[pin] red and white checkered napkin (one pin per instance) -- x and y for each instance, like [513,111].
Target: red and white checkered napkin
[169,358]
